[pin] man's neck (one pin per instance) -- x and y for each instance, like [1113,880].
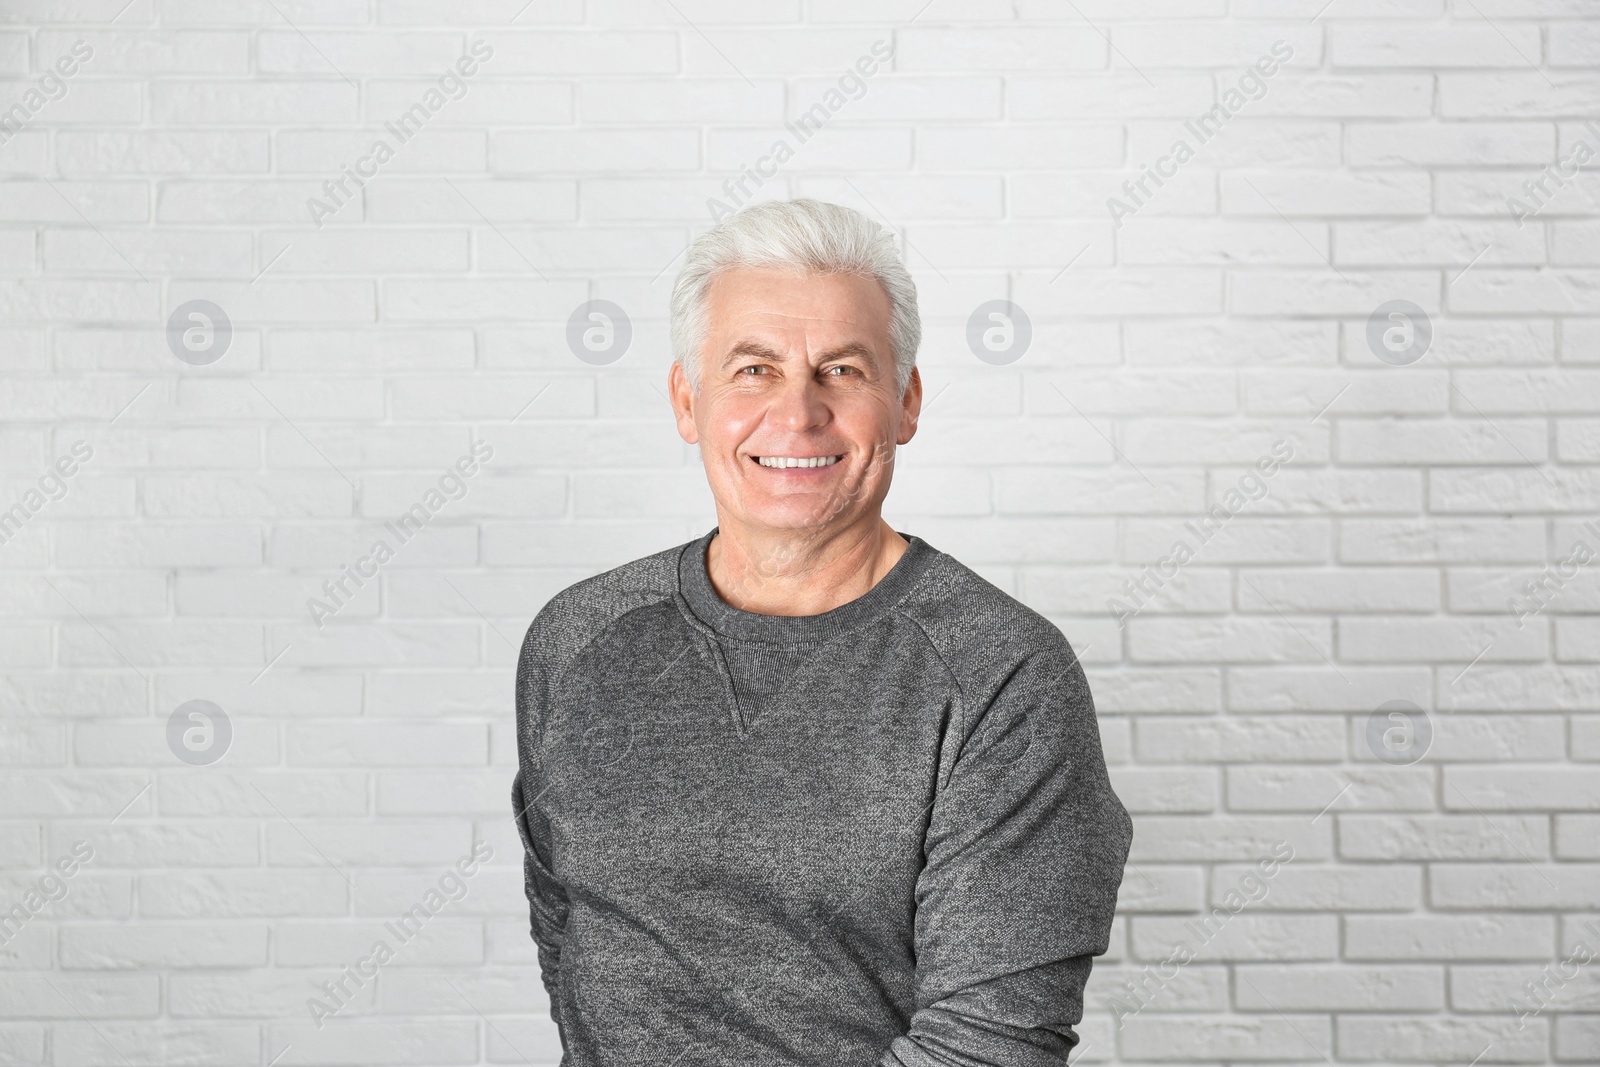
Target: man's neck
[800,572]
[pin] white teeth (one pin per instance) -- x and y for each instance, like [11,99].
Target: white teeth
[791,461]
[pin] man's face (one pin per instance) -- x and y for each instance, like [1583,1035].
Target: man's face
[796,366]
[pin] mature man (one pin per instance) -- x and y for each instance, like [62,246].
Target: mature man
[806,791]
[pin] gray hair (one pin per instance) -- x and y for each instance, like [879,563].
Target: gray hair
[802,235]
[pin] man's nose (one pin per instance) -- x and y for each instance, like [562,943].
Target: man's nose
[801,401]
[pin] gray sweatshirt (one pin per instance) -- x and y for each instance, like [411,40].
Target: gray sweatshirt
[881,836]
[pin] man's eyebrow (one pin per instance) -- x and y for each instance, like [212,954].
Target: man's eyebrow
[750,348]
[761,351]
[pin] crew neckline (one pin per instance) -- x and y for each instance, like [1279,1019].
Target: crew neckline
[707,605]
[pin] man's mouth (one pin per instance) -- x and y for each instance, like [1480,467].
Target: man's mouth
[776,462]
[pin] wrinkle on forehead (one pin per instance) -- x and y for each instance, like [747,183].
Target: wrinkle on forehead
[744,303]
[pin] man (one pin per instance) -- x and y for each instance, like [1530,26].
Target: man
[806,791]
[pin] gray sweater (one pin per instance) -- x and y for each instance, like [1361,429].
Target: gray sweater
[881,835]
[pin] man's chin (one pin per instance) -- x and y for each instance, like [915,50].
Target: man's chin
[793,514]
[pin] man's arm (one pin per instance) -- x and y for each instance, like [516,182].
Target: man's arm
[547,900]
[1024,854]
[547,897]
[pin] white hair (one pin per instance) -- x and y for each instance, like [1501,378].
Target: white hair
[802,235]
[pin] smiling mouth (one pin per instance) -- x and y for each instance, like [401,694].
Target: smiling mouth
[797,462]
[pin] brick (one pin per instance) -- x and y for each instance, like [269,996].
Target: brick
[1354,293]
[1319,790]
[260,12]
[1472,45]
[1007,49]
[1165,790]
[256,994]
[558,151]
[1440,541]
[1517,93]
[1393,589]
[1242,936]
[1045,146]
[1090,193]
[1521,789]
[399,1043]
[1119,96]
[151,1042]
[1563,984]
[1344,987]
[1324,688]
[1452,243]
[1536,688]
[244,894]
[238,102]
[1461,640]
[1269,1038]
[1388,440]
[175,945]
[1513,886]
[98,996]
[1172,838]
[146,52]
[1577,836]
[1423,1040]
[1447,937]
[330,945]
[162,152]
[1323,889]
[1230,739]
[1243,640]
[496,12]
[286,51]
[388,745]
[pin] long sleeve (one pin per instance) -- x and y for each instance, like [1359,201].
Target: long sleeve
[547,900]
[1024,850]
[547,897]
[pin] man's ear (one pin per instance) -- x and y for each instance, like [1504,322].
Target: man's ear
[682,398]
[910,408]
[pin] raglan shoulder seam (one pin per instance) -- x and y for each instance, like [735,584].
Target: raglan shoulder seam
[950,672]
[570,660]
[652,583]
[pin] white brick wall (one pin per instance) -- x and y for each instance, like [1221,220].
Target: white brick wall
[1227,314]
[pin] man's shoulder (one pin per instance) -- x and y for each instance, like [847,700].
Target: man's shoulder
[977,627]
[577,614]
